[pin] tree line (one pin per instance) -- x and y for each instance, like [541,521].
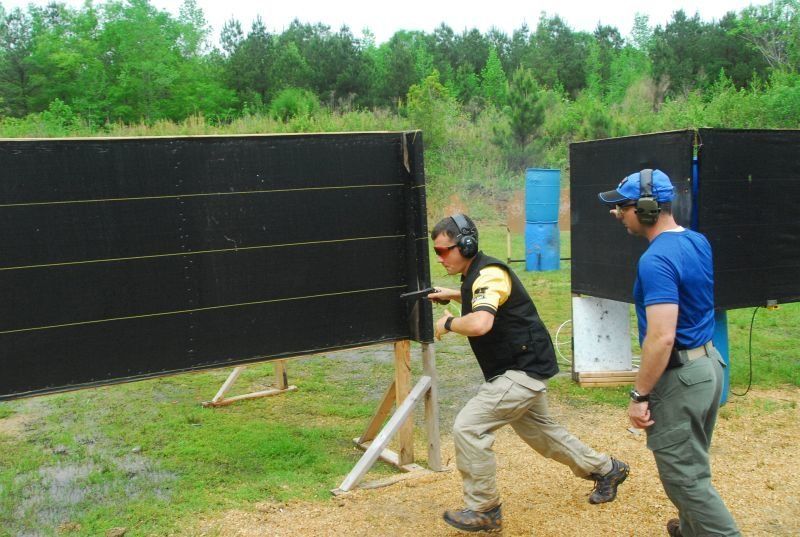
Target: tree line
[126,61]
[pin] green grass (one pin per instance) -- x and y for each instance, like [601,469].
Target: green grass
[146,456]
[6,410]
[775,357]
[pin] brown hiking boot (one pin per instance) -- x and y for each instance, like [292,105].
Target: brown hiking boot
[605,486]
[674,528]
[469,520]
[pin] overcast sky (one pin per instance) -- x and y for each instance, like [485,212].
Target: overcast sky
[383,18]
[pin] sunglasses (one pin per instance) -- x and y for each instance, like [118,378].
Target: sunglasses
[621,208]
[442,251]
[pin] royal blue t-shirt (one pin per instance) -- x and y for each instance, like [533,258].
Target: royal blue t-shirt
[677,268]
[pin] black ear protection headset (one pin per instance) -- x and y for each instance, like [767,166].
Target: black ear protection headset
[467,239]
[647,208]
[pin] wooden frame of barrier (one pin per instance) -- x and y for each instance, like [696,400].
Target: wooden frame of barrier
[281,386]
[374,440]
[377,435]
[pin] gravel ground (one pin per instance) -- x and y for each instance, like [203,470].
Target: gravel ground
[755,437]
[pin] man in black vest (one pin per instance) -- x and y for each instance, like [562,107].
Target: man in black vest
[516,356]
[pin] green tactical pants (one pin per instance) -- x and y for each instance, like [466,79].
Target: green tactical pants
[516,399]
[684,406]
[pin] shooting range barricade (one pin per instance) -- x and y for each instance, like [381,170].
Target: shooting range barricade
[134,258]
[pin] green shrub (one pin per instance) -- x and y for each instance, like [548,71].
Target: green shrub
[294,103]
[432,109]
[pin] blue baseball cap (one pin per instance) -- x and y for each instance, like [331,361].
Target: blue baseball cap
[629,190]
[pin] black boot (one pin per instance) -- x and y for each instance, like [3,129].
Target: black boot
[674,528]
[469,520]
[605,486]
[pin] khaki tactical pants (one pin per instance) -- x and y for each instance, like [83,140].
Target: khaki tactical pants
[516,399]
[684,406]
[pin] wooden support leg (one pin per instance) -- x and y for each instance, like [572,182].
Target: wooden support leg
[227,385]
[380,415]
[375,446]
[375,449]
[281,383]
[281,380]
[402,382]
[432,409]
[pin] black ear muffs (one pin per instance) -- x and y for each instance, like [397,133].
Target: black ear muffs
[467,239]
[647,208]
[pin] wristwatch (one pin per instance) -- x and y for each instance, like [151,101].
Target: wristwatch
[638,397]
[447,324]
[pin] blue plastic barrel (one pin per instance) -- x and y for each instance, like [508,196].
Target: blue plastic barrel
[542,246]
[542,191]
[542,240]
[720,340]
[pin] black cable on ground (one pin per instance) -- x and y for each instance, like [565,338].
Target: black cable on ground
[750,356]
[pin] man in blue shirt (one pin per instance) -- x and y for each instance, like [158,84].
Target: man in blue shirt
[677,389]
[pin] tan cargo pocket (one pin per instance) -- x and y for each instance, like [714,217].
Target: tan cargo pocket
[510,398]
[499,389]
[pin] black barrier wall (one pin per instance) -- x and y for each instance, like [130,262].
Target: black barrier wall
[748,195]
[603,255]
[747,187]
[131,258]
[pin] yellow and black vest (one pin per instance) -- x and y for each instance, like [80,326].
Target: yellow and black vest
[518,339]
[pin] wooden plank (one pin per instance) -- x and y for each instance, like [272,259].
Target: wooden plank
[388,456]
[379,444]
[412,473]
[380,415]
[432,409]
[598,384]
[607,379]
[402,380]
[254,395]
[606,374]
[227,384]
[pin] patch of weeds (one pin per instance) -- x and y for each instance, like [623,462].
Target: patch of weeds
[6,411]
[752,405]
[572,394]
[72,492]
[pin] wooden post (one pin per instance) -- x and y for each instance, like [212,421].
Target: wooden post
[402,383]
[508,244]
[432,409]
[380,415]
[281,380]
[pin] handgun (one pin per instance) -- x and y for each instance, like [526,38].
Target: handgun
[422,293]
